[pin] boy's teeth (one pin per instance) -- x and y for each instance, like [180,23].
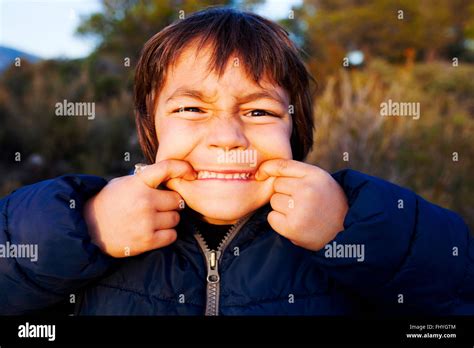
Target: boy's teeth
[209,175]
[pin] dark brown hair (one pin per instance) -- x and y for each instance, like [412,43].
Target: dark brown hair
[264,48]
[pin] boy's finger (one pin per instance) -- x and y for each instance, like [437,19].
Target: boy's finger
[165,200]
[166,220]
[288,186]
[282,203]
[278,222]
[280,167]
[162,238]
[153,175]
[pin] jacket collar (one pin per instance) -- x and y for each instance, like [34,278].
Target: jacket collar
[255,225]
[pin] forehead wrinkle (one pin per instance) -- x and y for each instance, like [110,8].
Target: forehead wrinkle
[184,91]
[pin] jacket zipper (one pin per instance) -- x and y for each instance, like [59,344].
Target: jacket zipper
[212,259]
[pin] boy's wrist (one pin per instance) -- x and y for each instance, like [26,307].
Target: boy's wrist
[90,219]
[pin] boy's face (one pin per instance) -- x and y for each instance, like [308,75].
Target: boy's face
[221,125]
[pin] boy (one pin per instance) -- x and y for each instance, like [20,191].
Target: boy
[203,229]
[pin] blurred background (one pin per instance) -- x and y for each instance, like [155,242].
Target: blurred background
[362,53]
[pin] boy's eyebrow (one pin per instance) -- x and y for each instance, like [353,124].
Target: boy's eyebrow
[188,92]
[196,94]
[264,94]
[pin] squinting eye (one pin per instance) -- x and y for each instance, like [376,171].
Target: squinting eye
[260,112]
[188,109]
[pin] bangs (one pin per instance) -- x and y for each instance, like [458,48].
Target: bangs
[236,38]
[231,35]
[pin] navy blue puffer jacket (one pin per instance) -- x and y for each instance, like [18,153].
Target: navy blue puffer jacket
[418,259]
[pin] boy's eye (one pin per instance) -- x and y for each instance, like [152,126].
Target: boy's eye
[188,109]
[259,112]
[253,113]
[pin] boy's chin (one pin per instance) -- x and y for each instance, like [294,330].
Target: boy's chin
[224,212]
[224,205]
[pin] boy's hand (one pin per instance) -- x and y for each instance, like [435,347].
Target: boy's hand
[130,216]
[308,205]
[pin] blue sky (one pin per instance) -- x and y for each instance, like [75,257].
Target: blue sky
[46,27]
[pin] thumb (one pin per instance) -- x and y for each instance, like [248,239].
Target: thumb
[280,167]
[270,168]
[153,175]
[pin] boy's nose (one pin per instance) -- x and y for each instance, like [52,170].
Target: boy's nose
[227,133]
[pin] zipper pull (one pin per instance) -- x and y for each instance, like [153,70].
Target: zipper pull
[212,266]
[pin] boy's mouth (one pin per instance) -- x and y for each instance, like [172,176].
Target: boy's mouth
[225,175]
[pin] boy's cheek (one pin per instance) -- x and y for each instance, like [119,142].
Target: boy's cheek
[174,140]
[161,156]
[171,149]
[272,143]
[280,150]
